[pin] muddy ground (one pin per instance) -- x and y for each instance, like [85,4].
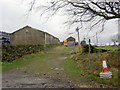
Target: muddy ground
[54,78]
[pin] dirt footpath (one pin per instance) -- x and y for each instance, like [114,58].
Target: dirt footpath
[55,77]
[19,78]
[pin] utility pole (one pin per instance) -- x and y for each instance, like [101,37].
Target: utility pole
[119,27]
[77,29]
[45,42]
[89,56]
[96,38]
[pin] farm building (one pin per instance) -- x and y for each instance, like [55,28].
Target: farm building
[71,39]
[29,35]
[4,38]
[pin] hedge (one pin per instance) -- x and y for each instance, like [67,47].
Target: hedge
[11,53]
[85,48]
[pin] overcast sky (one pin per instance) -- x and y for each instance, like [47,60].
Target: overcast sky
[13,17]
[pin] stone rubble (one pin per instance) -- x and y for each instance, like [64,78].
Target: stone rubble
[107,74]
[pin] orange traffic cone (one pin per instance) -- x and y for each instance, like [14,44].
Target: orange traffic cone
[104,65]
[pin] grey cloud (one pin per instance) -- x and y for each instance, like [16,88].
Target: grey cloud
[13,17]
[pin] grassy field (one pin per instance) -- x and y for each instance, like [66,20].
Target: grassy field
[77,66]
[38,62]
[21,61]
[109,48]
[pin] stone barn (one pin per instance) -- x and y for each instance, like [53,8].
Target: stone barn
[50,39]
[29,36]
[71,39]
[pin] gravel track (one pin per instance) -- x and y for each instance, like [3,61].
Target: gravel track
[54,78]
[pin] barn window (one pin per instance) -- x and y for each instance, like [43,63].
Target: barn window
[26,31]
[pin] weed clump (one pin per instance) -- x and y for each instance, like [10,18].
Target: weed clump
[93,49]
[85,48]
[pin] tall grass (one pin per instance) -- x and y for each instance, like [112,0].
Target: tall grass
[37,62]
[77,66]
[20,62]
[110,48]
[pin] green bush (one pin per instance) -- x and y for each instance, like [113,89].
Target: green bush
[85,48]
[11,53]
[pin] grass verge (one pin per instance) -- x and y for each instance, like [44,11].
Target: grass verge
[38,62]
[109,48]
[77,66]
[20,62]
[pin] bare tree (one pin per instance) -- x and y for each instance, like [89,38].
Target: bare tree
[82,11]
[114,38]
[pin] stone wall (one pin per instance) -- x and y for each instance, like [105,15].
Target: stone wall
[56,40]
